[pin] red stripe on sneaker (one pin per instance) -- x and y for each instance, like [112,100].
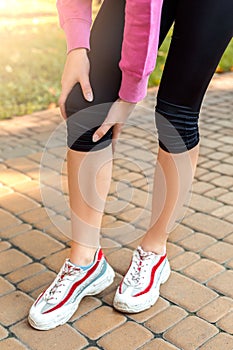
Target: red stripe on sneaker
[73,288]
[154,269]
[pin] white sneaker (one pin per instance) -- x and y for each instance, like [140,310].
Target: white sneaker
[60,300]
[139,289]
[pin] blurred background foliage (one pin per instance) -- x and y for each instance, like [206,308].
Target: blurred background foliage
[33,53]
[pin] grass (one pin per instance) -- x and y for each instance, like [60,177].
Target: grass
[34,52]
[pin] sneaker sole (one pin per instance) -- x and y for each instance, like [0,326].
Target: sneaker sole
[123,307]
[95,288]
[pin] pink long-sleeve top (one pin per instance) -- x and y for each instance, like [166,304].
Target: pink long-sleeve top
[140,40]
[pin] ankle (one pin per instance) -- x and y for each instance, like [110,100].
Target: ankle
[81,255]
[157,249]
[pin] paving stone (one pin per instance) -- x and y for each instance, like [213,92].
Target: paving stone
[17,308]
[223,181]
[215,310]
[122,232]
[108,245]
[219,252]
[229,239]
[36,156]
[183,260]
[12,344]
[18,203]
[229,264]
[110,319]
[87,305]
[55,261]
[159,344]
[15,230]
[5,286]
[226,323]
[204,204]
[197,242]
[27,187]
[120,260]
[11,177]
[136,196]
[186,293]
[25,272]
[44,278]
[4,246]
[220,341]
[45,223]
[216,193]
[173,250]
[160,305]
[190,333]
[7,220]
[11,260]
[179,233]
[5,190]
[203,270]
[217,155]
[200,172]
[166,319]
[222,212]
[208,224]
[134,215]
[130,333]
[61,232]
[227,198]
[3,333]
[56,338]
[210,164]
[37,244]
[222,283]
[35,215]
[230,218]
[107,219]
[202,187]
[207,176]
[21,163]
[116,206]
[223,168]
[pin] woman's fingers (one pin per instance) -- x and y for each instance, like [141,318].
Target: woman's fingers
[62,101]
[76,70]
[86,88]
[118,113]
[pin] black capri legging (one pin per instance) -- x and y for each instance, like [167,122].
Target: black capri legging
[202,31]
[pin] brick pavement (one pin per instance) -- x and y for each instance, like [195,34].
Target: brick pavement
[195,309]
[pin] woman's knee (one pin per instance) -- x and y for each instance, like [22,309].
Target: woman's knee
[83,119]
[177,127]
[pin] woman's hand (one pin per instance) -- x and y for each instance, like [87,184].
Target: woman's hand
[76,70]
[117,115]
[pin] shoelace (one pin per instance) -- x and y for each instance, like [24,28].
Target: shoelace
[65,275]
[138,267]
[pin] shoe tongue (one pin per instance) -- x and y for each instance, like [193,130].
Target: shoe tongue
[144,254]
[69,266]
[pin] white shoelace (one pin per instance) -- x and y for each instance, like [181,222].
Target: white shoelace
[65,276]
[139,267]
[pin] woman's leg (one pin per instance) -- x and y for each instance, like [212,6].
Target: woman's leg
[90,164]
[89,174]
[197,45]
[190,65]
